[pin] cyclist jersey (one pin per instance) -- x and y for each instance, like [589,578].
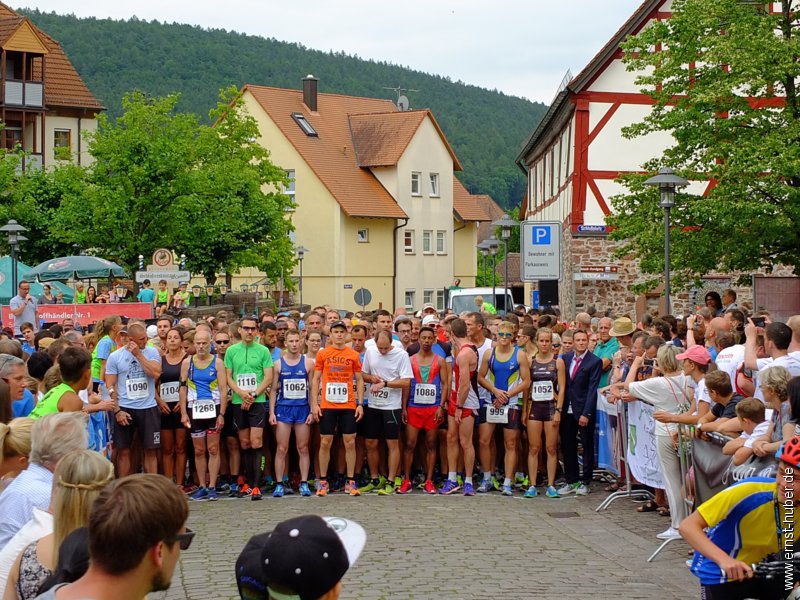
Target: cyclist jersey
[49,402]
[544,380]
[426,385]
[293,384]
[170,381]
[338,367]
[505,374]
[162,296]
[101,352]
[247,364]
[202,384]
[472,401]
[741,521]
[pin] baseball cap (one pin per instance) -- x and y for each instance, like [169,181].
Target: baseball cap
[338,324]
[308,555]
[696,354]
[428,319]
[152,331]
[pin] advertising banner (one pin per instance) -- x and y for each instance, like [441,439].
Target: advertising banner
[86,313]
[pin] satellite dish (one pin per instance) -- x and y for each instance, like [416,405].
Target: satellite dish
[403,104]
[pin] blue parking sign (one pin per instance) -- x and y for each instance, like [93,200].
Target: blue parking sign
[541,234]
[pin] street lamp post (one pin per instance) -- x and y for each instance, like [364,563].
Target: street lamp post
[493,245]
[667,182]
[196,291]
[14,231]
[209,293]
[301,252]
[484,250]
[505,224]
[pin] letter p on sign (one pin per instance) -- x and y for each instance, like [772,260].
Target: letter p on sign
[541,235]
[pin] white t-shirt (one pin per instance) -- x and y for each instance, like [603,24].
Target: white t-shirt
[729,360]
[395,364]
[370,343]
[484,395]
[760,430]
[665,393]
[789,362]
[701,392]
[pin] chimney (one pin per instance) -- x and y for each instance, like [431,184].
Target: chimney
[310,92]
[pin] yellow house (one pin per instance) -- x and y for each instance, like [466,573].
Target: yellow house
[45,107]
[374,197]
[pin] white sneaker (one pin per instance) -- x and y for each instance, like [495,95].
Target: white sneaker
[669,534]
[582,490]
[567,489]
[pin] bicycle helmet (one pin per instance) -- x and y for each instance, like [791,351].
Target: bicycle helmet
[790,452]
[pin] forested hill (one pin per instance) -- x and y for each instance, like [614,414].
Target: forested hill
[484,127]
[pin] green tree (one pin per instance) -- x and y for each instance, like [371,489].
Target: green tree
[723,77]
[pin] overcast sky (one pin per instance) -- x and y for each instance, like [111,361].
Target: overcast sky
[521,47]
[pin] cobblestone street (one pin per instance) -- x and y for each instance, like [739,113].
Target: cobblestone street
[455,547]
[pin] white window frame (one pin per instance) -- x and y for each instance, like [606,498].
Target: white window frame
[439,300]
[434,179]
[362,236]
[441,235]
[427,241]
[409,298]
[416,183]
[408,241]
[291,189]
[427,296]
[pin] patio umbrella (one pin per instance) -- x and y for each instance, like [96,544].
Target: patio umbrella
[6,293]
[74,267]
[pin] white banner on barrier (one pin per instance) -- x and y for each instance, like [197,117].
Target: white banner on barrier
[607,440]
[642,456]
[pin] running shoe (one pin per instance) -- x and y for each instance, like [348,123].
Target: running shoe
[468,489]
[234,491]
[460,480]
[398,481]
[304,489]
[405,487]
[322,488]
[255,494]
[371,486]
[212,495]
[223,487]
[287,488]
[430,488]
[532,492]
[244,491]
[269,485]
[386,490]
[496,484]
[189,489]
[449,487]
[669,534]
[279,491]
[351,489]
[552,492]
[508,490]
[521,482]
[485,486]
[582,490]
[201,494]
[568,488]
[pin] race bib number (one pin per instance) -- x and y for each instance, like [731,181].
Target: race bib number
[170,391]
[294,389]
[137,388]
[204,409]
[336,393]
[497,415]
[542,391]
[425,393]
[247,382]
[379,398]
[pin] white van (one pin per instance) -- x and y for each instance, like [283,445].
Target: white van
[464,299]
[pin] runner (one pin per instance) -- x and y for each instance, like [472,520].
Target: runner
[340,407]
[382,321]
[388,369]
[229,453]
[130,378]
[509,377]
[76,373]
[462,409]
[424,408]
[163,325]
[543,410]
[204,393]
[173,433]
[249,371]
[289,410]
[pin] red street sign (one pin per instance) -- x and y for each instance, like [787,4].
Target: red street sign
[87,313]
[601,269]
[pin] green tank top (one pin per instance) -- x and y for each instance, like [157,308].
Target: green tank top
[106,346]
[162,295]
[49,403]
[80,297]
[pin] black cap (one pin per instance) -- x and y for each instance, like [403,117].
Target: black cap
[338,324]
[305,555]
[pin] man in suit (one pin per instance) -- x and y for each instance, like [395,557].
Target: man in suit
[584,370]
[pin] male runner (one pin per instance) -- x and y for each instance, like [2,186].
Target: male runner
[204,401]
[249,369]
[383,322]
[340,407]
[486,446]
[289,410]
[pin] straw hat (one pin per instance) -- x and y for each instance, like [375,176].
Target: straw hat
[622,327]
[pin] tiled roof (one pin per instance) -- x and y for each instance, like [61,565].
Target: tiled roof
[493,210]
[465,205]
[62,84]
[513,269]
[331,154]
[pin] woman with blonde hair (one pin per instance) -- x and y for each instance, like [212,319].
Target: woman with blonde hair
[78,480]
[15,446]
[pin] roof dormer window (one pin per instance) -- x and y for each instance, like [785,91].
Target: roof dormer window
[303,123]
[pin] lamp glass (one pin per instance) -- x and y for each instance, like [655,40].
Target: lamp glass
[196,291]
[223,289]
[244,288]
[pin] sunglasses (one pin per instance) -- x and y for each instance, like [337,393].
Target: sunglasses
[222,341]
[556,345]
[184,539]
[505,335]
[249,328]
